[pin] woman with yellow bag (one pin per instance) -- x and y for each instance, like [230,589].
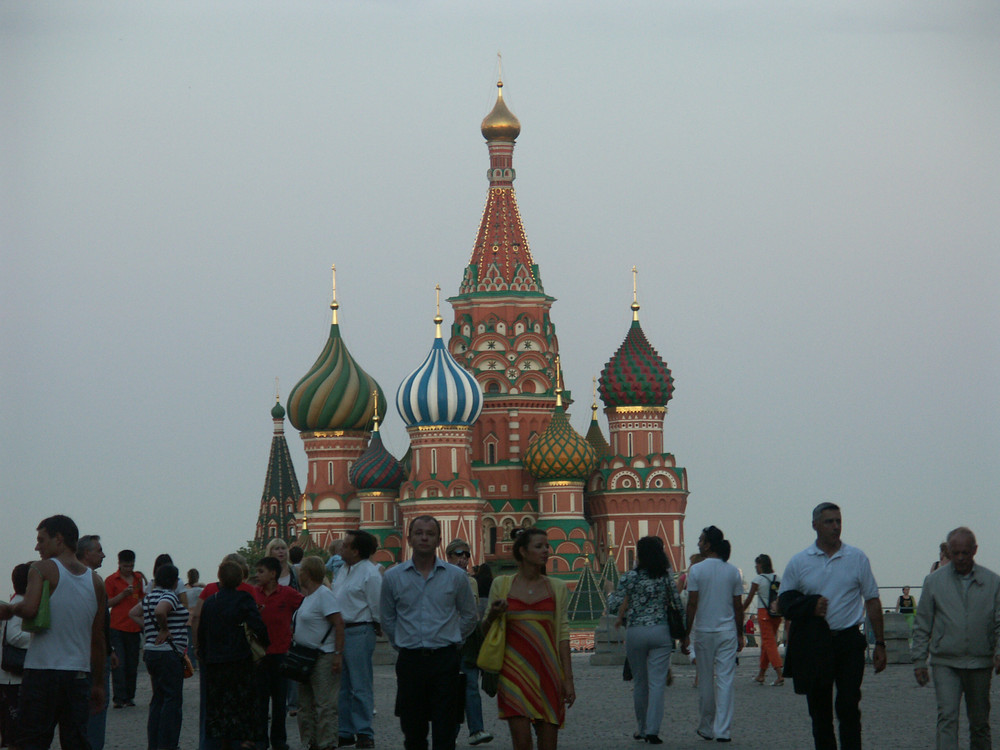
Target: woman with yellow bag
[528,612]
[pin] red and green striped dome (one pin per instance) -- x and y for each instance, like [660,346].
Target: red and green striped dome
[336,394]
[376,469]
[560,453]
[636,375]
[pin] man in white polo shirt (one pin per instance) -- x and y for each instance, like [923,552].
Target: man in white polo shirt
[715,615]
[825,592]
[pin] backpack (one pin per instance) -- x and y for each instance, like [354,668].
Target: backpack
[772,595]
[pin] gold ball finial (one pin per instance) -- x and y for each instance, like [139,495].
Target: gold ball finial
[559,389]
[334,305]
[438,320]
[375,416]
[635,296]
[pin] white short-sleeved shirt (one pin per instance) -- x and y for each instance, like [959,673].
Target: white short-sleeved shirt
[844,578]
[763,581]
[716,582]
[311,623]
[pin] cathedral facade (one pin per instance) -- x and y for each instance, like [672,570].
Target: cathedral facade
[491,446]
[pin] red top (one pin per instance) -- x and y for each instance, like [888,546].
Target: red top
[214,587]
[749,627]
[114,584]
[277,609]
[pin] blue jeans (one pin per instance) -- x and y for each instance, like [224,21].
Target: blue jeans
[97,723]
[166,672]
[473,700]
[357,696]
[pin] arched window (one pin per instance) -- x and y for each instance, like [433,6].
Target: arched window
[329,472]
[434,461]
[491,453]
[630,448]
[454,460]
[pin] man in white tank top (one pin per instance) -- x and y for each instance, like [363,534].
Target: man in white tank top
[57,687]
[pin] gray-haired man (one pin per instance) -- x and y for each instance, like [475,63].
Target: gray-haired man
[958,624]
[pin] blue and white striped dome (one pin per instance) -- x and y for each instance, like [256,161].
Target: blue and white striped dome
[440,391]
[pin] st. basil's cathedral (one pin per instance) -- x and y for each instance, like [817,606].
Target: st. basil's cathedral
[491,447]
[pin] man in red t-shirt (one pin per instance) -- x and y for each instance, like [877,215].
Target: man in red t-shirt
[277,605]
[125,590]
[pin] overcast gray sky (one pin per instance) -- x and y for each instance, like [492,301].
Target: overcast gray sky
[810,193]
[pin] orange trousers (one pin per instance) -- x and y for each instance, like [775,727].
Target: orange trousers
[768,639]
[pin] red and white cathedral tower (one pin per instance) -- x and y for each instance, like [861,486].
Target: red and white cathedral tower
[638,489]
[502,334]
[439,402]
[333,409]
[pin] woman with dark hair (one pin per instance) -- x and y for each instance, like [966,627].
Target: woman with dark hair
[768,620]
[484,581]
[10,682]
[646,591]
[231,698]
[164,625]
[536,680]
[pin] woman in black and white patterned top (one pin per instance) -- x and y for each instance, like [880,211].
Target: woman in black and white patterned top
[648,644]
[164,624]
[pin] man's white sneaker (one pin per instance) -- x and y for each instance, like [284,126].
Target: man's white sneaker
[480,737]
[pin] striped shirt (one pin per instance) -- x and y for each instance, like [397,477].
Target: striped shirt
[176,621]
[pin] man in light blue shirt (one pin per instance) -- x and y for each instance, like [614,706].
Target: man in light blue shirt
[427,613]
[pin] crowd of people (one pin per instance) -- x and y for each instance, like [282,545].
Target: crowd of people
[295,635]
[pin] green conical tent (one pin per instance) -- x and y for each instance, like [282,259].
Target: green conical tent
[609,576]
[587,601]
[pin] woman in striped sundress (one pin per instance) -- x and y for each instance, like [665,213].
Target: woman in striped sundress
[536,681]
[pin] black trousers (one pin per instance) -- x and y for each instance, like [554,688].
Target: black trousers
[429,691]
[124,676]
[51,697]
[271,689]
[848,671]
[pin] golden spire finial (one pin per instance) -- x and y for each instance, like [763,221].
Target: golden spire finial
[334,305]
[593,406]
[499,70]
[635,297]
[305,515]
[375,417]
[437,316]
[277,391]
[559,389]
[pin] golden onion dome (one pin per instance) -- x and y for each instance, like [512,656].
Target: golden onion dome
[500,124]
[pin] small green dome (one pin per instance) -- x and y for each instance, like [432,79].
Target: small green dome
[278,411]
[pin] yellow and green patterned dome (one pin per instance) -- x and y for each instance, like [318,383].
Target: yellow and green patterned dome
[560,453]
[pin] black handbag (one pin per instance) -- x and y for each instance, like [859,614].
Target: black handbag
[676,617]
[299,662]
[13,656]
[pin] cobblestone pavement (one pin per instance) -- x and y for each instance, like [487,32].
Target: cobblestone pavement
[895,713]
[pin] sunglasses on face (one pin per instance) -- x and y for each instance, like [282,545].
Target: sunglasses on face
[463,553]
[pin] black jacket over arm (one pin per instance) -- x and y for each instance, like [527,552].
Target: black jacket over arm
[808,660]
